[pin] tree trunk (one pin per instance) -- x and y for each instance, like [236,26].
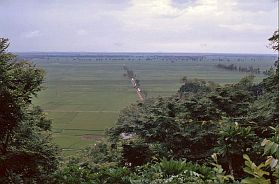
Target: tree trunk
[230,167]
[5,144]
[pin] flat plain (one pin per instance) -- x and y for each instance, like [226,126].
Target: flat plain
[84,92]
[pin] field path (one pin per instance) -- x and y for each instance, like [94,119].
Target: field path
[138,90]
[135,83]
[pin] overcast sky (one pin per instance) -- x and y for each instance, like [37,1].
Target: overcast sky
[227,26]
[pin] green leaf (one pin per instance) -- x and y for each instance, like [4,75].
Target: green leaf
[274,148]
[264,142]
[268,147]
[255,181]
[246,157]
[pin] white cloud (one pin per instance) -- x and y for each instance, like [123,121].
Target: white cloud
[82,32]
[140,25]
[32,34]
[201,22]
[243,27]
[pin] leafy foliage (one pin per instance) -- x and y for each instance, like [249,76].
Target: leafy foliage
[188,125]
[233,142]
[256,171]
[26,152]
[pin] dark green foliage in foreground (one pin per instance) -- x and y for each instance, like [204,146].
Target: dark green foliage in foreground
[233,142]
[26,153]
[189,126]
[168,171]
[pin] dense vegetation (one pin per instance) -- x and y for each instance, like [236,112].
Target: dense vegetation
[206,133]
[26,152]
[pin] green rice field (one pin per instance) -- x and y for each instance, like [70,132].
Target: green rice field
[85,92]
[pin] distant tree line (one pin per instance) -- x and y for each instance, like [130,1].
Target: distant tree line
[233,67]
[129,73]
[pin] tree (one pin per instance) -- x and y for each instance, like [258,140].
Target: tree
[26,152]
[233,142]
[274,41]
[275,46]
[195,123]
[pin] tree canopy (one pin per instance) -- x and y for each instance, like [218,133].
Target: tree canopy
[26,152]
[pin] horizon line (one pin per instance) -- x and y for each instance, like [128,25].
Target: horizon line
[137,52]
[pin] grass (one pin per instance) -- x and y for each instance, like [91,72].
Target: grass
[85,98]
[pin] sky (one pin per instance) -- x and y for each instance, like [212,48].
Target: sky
[202,26]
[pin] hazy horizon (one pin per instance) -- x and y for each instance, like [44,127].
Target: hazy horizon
[153,26]
[164,53]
